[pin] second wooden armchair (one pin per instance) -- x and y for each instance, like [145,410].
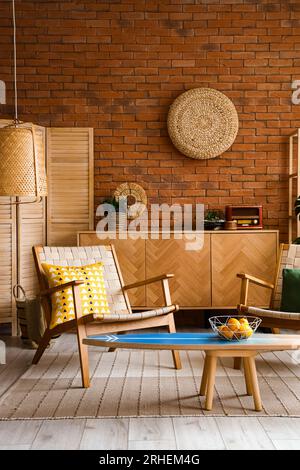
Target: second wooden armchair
[289,257]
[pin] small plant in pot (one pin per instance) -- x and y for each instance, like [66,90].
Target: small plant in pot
[120,210]
[113,202]
[214,220]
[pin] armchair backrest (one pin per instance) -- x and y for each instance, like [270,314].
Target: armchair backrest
[289,258]
[80,256]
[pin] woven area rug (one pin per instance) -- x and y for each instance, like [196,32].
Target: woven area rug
[144,383]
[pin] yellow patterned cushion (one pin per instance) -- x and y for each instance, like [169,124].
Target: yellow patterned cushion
[92,292]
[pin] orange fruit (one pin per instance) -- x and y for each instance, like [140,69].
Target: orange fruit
[225,331]
[244,321]
[233,324]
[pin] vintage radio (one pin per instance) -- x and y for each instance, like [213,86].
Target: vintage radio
[246,217]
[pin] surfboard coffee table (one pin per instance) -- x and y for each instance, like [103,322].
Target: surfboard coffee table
[213,346]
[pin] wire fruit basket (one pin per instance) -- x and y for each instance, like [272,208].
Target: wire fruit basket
[236,328]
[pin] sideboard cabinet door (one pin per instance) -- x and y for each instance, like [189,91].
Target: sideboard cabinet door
[232,253]
[191,286]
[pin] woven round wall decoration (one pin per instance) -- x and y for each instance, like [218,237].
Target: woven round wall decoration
[202,123]
[136,198]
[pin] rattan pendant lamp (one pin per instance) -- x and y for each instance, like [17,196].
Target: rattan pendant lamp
[22,167]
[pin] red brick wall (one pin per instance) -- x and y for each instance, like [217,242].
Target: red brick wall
[117,66]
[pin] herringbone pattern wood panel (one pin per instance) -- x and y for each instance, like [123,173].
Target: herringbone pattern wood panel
[191,285]
[240,252]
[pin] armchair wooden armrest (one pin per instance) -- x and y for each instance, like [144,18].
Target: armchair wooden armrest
[148,281]
[52,290]
[256,280]
[163,278]
[246,279]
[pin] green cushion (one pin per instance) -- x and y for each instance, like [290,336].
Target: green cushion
[290,298]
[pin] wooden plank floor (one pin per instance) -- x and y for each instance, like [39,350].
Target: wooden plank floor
[136,433]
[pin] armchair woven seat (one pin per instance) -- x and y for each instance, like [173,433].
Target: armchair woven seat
[121,318]
[263,313]
[139,315]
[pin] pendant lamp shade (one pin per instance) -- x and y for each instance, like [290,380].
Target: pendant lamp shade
[22,162]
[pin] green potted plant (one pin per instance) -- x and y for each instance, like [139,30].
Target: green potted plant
[214,219]
[113,202]
[120,211]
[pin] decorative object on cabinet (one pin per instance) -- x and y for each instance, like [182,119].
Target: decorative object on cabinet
[202,123]
[204,278]
[22,163]
[119,217]
[294,187]
[136,198]
[120,317]
[230,225]
[289,258]
[213,220]
[246,217]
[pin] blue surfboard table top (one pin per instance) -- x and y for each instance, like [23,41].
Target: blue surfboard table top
[201,341]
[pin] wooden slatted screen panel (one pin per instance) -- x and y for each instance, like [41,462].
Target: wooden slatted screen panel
[70,167]
[8,271]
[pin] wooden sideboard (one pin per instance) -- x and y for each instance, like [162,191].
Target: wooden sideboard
[204,278]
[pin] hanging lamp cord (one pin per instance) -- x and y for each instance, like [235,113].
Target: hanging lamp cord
[15,61]
[16,119]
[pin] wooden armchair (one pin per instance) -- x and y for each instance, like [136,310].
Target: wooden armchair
[120,318]
[272,317]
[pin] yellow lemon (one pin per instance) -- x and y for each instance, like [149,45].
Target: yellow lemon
[225,331]
[245,331]
[244,321]
[233,324]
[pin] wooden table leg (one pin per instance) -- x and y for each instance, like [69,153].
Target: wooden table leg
[254,382]
[211,381]
[247,377]
[203,385]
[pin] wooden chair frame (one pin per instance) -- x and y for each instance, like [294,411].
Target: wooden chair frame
[274,323]
[86,325]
